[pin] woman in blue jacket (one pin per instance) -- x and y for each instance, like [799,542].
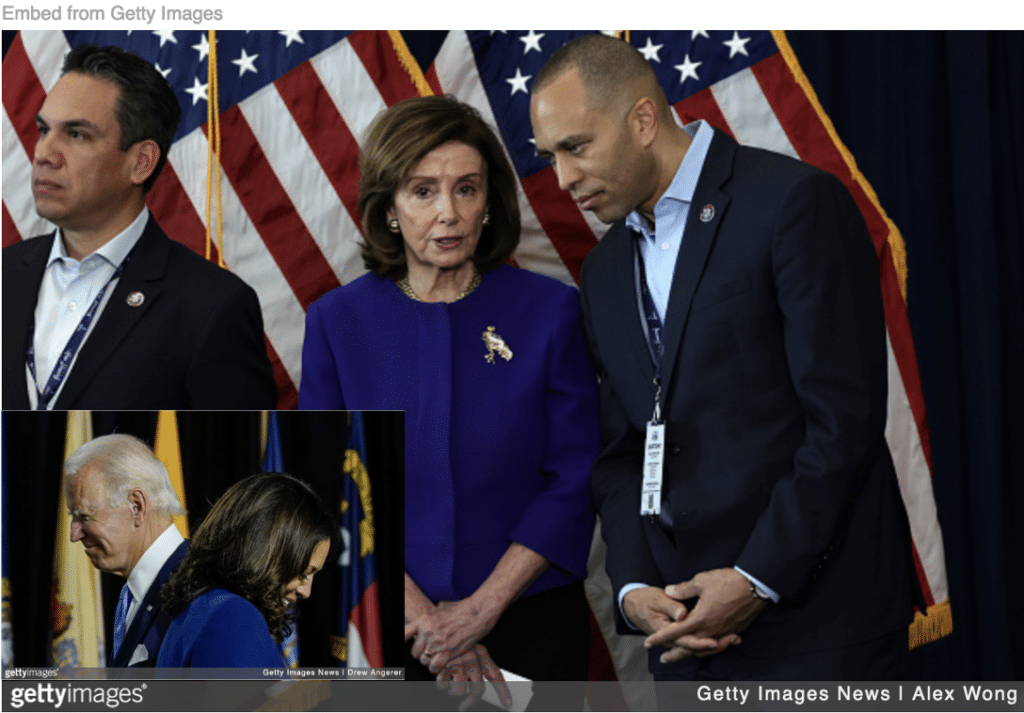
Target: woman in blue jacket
[250,561]
[490,365]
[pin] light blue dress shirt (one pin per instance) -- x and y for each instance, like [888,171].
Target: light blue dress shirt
[659,244]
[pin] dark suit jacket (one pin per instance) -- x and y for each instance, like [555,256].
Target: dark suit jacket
[150,623]
[196,341]
[774,382]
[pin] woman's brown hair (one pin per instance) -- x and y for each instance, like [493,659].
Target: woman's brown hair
[257,537]
[398,138]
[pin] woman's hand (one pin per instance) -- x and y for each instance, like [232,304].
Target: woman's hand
[449,631]
[465,675]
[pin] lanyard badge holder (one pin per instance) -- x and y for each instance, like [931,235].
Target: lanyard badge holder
[654,459]
[654,444]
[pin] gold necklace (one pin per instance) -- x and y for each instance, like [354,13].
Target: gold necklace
[406,288]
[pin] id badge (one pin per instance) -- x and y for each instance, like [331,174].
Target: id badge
[654,457]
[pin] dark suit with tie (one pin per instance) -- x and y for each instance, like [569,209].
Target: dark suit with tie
[195,341]
[774,399]
[150,623]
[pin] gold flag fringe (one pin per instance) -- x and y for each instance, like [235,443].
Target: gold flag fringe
[410,64]
[897,247]
[213,149]
[935,625]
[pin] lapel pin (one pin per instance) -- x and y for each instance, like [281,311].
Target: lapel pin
[707,213]
[135,299]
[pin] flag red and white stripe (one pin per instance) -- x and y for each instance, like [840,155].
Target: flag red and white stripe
[289,165]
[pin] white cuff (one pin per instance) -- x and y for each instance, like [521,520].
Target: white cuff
[760,585]
[626,589]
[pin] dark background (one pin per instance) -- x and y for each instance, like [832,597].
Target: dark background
[217,449]
[935,121]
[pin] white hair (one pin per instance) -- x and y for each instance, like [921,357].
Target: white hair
[125,463]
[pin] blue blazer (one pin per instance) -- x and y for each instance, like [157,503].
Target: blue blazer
[497,450]
[774,383]
[219,629]
[150,623]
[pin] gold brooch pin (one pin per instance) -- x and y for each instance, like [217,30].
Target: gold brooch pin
[494,344]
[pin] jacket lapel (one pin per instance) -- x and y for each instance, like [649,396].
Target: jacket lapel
[706,212]
[622,306]
[144,272]
[21,289]
[148,610]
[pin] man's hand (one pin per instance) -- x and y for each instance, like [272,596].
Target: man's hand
[725,609]
[652,610]
[449,631]
[465,675]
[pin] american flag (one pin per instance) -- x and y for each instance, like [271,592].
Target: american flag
[294,105]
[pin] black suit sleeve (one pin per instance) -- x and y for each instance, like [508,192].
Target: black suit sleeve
[826,279]
[229,368]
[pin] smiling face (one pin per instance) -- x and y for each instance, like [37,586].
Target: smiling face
[111,539]
[595,153]
[81,179]
[440,207]
[302,586]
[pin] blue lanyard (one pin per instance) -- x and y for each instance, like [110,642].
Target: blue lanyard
[60,371]
[655,329]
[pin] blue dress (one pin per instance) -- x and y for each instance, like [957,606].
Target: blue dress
[219,629]
[497,449]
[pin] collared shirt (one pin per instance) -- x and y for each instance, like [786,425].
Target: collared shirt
[659,244]
[67,290]
[148,567]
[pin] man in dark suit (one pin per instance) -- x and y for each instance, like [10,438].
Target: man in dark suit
[734,317]
[107,312]
[122,506]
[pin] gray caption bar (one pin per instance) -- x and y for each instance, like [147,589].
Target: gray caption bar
[337,695]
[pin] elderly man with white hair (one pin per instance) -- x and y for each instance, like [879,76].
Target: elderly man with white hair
[122,506]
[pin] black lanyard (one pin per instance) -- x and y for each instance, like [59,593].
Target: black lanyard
[60,371]
[655,329]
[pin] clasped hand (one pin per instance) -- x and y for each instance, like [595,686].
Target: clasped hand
[447,642]
[448,631]
[464,676]
[725,608]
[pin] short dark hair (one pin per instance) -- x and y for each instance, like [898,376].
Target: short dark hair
[398,138]
[257,537]
[146,105]
[607,66]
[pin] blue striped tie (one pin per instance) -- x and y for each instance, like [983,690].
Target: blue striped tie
[121,617]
